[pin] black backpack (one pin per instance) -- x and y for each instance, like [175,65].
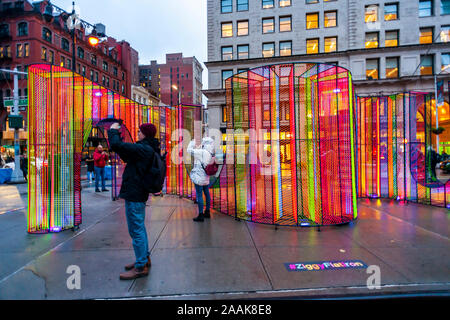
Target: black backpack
[156,174]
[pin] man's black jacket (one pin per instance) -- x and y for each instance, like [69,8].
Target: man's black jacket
[138,157]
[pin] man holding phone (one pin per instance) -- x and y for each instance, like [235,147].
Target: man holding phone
[138,156]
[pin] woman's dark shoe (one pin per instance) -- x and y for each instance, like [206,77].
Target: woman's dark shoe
[207,214]
[131,265]
[200,218]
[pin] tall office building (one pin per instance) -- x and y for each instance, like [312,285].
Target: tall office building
[389,46]
[177,80]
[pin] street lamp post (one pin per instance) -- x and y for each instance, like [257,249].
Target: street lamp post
[179,93]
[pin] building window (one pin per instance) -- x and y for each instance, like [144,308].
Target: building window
[93,59]
[312,20]
[242,51]
[105,66]
[83,71]
[4,30]
[285,3]
[390,11]
[65,44]
[371,13]
[226,74]
[22,29]
[242,5]
[8,51]
[372,66]
[445,33]
[426,35]
[44,53]
[46,34]
[425,8]
[242,70]
[392,67]
[268,49]
[285,24]
[92,75]
[69,64]
[242,28]
[330,44]
[227,53]
[80,53]
[268,25]
[426,65]
[96,77]
[391,38]
[26,48]
[226,6]
[19,50]
[285,48]
[330,19]
[266,4]
[371,40]
[227,29]
[312,46]
[115,72]
[312,1]
[445,62]
[445,7]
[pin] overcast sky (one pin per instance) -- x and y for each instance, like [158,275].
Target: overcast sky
[152,27]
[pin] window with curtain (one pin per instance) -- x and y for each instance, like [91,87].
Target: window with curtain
[372,66]
[391,38]
[243,51]
[392,67]
[226,6]
[312,46]
[312,20]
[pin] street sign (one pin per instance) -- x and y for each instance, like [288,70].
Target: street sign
[15,122]
[10,103]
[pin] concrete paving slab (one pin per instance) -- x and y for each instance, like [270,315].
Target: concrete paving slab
[268,236]
[15,289]
[99,274]
[412,213]
[202,270]
[274,259]
[419,265]
[182,232]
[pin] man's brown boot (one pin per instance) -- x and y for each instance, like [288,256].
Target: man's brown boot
[131,265]
[134,273]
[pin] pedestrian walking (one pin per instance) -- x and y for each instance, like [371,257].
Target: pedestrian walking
[203,155]
[139,158]
[100,160]
[24,166]
[90,167]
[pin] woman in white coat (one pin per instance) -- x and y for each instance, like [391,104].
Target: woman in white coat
[202,157]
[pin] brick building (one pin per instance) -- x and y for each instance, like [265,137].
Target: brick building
[28,36]
[179,78]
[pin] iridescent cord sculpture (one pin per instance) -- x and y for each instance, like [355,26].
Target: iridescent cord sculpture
[63,109]
[395,154]
[290,154]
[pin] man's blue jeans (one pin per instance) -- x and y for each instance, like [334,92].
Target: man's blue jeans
[135,212]
[199,190]
[99,174]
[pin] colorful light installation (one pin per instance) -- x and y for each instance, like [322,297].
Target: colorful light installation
[395,153]
[290,154]
[64,107]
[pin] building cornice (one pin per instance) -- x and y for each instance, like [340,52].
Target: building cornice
[331,55]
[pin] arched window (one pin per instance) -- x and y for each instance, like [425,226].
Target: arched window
[46,34]
[4,29]
[80,53]
[65,44]
[22,29]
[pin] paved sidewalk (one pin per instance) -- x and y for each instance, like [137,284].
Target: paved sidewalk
[223,258]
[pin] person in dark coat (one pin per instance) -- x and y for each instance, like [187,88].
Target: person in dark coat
[24,166]
[90,167]
[138,156]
